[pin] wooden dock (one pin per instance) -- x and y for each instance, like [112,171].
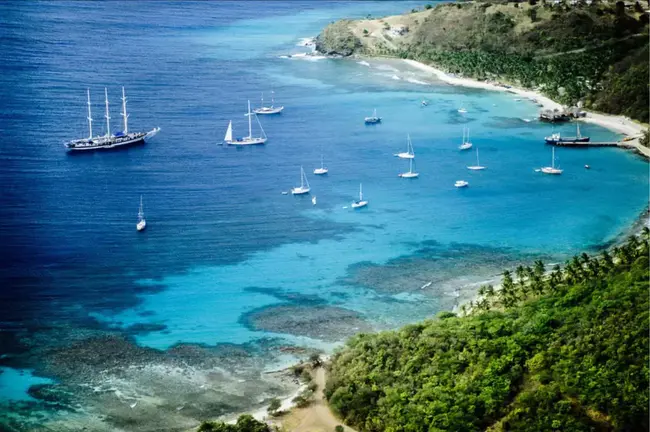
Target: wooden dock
[593,144]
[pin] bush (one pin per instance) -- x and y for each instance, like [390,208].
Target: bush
[305,376]
[274,405]
[365,32]
[427,6]
[340,428]
[245,423]
[312,386]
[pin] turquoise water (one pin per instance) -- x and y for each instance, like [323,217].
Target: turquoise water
[227,258]
[14,383]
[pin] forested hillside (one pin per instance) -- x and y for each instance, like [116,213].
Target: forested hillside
[559,351]
[597,55]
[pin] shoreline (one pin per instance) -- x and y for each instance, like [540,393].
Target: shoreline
[615,123]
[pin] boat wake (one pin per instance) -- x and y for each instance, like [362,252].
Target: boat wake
[306,42]
[416,81]
[363,63]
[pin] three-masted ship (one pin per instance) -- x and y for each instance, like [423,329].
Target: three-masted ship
[110,140]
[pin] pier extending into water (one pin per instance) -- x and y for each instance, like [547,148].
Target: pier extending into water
[629,144]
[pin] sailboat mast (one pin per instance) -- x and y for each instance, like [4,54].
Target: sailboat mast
[140,212]
[360,192]
[90,118]
[477,162]
[553,158]
[272,98]
[250,129]
[124,114]
[108,117]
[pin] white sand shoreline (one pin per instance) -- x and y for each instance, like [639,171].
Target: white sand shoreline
[619,124]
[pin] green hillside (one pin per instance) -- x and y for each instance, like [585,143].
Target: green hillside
[596,55]
[559,351]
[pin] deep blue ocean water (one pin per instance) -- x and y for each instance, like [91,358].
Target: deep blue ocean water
[222,240]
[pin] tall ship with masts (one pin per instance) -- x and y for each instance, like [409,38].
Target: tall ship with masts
[110,140]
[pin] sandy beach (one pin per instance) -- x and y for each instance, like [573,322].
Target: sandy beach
[618,124]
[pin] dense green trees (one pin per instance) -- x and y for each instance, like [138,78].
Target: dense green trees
[596,55]
[560,350]
[245,423]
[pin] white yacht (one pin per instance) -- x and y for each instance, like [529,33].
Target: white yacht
[467,144]
[478,166]
[304,185]
[462,110]
[142,223]
[247,140]
[360,202]
[409,153]
[410,173]
[322,170]
[264,110]
[373,119]
[552,169]
[461,183]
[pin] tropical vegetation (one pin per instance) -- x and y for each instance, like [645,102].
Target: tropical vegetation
[245,423]
[564,349]
[594,55]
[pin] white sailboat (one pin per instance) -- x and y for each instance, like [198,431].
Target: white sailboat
[409,153]
[478,166]
[467,144]
[322,170]
[313,200]
[247,140]
[142,223]
[304,184]
[410,173]
[373,119]
[360,202]
[552,169]
[268,110]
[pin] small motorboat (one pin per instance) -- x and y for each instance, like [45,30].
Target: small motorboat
[461,183]
[424,103]
[462,110]
[587,167]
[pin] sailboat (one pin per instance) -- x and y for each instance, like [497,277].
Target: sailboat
[552,169]
[478,166]
[247,140]
[304,184]
[142,223]
[373,119]
[268,110]
[410,173]
[360,202]
[121,138]
[409,153]
[466,145]
[322,170]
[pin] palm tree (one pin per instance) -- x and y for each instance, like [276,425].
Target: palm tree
[490,291]
[645,233]
[606,261]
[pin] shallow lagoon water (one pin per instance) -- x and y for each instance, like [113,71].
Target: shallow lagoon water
[223,245]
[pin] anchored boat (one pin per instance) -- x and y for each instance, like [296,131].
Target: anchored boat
[555,138]
[118,139]
[247,140]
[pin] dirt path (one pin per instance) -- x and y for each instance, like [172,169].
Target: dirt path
[317,417]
